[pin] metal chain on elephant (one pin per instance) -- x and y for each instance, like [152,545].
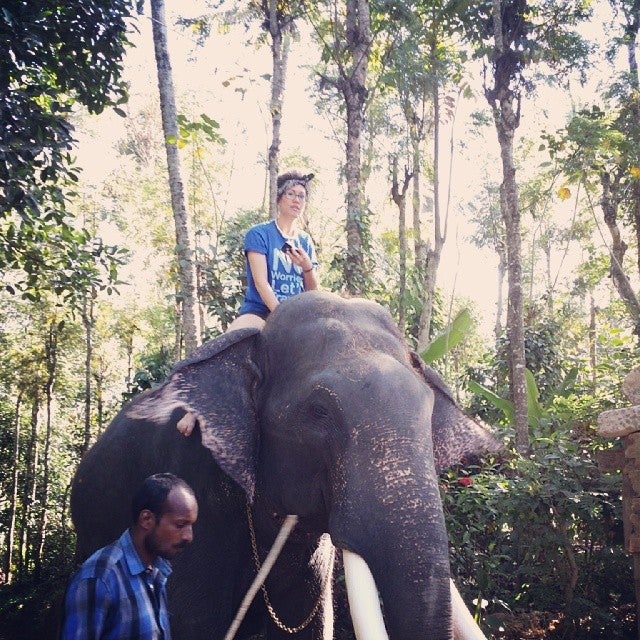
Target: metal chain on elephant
[267,602]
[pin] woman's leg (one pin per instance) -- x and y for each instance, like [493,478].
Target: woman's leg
[246,320]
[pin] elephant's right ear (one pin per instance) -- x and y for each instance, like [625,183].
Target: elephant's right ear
[216,385]
[455,435]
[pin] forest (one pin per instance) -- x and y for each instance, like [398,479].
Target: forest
[476,171]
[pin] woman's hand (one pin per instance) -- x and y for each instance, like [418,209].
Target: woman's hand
[300,258]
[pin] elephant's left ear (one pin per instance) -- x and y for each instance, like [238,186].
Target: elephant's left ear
[215,385]
[455,435]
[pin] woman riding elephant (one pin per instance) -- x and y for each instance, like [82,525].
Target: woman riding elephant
[280,258]
[325,414]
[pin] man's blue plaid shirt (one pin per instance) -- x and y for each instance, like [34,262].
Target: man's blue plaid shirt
[109,597]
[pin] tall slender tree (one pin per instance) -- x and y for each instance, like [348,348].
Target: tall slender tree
[424,67]
[184,245]
[13,499]
[51,366]
[629,11]
[505,104]
[30,487]
[346,37]
[399,196]
[279,22]
[511,35]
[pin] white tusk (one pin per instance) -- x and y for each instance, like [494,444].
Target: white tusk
[464,626]
[366,615]
[364,602]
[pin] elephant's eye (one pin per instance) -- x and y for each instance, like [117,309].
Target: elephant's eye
[318,411]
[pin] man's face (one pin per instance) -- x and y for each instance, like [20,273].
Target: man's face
[174,530]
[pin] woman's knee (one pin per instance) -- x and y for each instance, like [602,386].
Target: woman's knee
[246,320]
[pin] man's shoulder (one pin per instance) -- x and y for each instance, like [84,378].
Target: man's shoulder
[102,562]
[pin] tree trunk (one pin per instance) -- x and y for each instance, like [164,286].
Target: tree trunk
[51,352]
[184,255]
[64,511]
[420,247]
[177,329]
[353,87]
[546,247]
[13,501]
[593,337]
[279,54]
[99,399]
[399,196]
[30,487]
[502,269]
[610,202]
[507,119]
[87,321]
[632,15]
[434,252]
[561,528]
[415,127]
[515,304]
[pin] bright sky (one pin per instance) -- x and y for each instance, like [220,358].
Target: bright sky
[241,108]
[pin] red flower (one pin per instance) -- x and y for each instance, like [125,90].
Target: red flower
[465,482]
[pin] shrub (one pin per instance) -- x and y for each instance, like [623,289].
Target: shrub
[541,533]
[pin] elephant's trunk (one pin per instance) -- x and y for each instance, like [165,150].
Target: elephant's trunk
[401,537]
[386,504]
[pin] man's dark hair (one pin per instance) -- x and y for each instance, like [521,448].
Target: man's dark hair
[152,494]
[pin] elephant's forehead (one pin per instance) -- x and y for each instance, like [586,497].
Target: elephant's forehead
[326,311]
[332,337]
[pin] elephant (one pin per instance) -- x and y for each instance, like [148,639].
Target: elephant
[325,413]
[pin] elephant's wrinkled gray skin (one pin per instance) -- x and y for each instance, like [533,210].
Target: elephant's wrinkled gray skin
[324,414]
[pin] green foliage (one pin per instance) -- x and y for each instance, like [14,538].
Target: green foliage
[223,269]
[594,141]
[522,529]
[543,360]
[355,261]
[193,130]
[454,333]
[54,54]
[535,411]
[29,609]
[536,35]
[598,148]
[154,368]
[385,281]
[44,256]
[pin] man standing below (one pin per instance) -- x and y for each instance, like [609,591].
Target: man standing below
[119,592]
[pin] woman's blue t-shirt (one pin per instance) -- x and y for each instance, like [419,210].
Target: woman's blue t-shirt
[283,276]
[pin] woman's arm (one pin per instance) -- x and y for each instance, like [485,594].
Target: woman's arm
[258,266]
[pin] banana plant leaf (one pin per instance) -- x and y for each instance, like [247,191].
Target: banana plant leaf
[456,332]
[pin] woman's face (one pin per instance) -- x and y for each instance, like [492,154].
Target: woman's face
[293,201]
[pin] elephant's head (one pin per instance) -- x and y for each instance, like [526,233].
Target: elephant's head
[326,414]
